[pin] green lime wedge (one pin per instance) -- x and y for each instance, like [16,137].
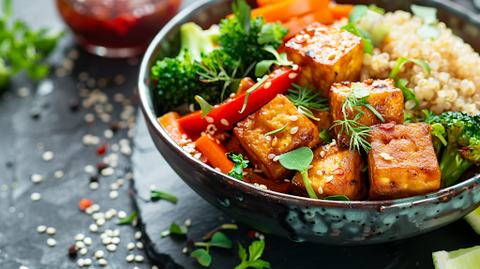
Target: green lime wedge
[474,220]
[464,258]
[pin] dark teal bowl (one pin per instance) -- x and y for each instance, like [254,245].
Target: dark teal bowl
[299,218]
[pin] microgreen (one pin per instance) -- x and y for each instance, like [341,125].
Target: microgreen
[337,198]
[202,255]
[408,94]
[309,98]
[376,8]
[254,87]
[358,97]
[277,131]
[174,229]
[357,13]
[204,105]
[409,118]
[226,226]
[429,115]
[242,14]
[299,160]
[306,112]
[403,60]
[128,219]
[255,251]
[157,195]
[280,59]
[429,15]
[364,35]
[239,164]
[326,136]
[438,130]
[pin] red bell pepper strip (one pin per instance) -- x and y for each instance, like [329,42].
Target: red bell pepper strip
[224,116]
[170,124]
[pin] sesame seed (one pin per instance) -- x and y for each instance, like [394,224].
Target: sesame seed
[93,228]
[257,170]
[295,67]
[108,133]
[109,232]
[320,190]
[156,267]
[47,156]
[386,156]
[95,207]
[99,254]
[138,235]
[188,222]
[261,237]
[51,242]
[111,247]
[116,240]
[130,258]
[328,178]
[79,237]
[197,156]
[58,174]
[80,244]
[122,214]
[271,156]
[36,178]
[96,216]
[93,185]
[130,246]
[267,85]
[333,142]
[310,167]
[106,240]
[113,186]
[87,241]
[89,169]
[116,232]
[80,262]
[51,231]
[293,118]
[140,245]
[224,122]
[86,262]
[263,187]
[292,75]
[100,221]
[218,169]
[113,194]
[102,262]
[35,196]
[322,153]
[83,251]
[41,228]
[319,172]
[22,267]
[276,158]
[139,258]
[209,119]
[107,171]
[115,147]
[108,215]
[184,251]
[294,130]
[126,150]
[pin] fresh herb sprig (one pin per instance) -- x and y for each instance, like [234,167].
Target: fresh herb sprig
[277,131]
[280,59]
[299,160]
[239,164]
[157,195]
[128,219]
[309,98]
[175,229]
[255,251]
[202,255]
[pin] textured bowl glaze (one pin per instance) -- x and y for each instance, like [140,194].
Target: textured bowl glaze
[298,218]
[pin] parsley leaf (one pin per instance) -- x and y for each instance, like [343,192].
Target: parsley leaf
[239,164]
[255,251]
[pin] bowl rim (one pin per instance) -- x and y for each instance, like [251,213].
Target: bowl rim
[151,119]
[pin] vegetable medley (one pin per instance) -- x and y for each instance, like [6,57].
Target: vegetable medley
[272,96]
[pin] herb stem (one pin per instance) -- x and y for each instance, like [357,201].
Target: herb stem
[308,186]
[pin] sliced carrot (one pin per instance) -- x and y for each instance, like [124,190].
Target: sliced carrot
[245,84]
[282,186]
[170,124]
[215,153]
[262,3]
[285,10]
[232,144]
[340,11]
[294,26]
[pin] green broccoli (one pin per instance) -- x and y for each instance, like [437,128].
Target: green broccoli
[462,148]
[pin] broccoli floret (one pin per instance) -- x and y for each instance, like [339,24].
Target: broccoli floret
[462,134]
[196,41]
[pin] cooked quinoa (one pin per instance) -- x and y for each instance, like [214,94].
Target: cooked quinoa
[454,82]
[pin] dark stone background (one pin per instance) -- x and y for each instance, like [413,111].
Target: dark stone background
[61,130]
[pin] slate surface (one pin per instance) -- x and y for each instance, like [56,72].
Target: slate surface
[150,168]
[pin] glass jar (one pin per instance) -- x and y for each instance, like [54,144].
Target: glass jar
[116,28]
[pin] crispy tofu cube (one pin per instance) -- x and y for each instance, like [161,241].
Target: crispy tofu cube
[326,55]
[384,97]
[402,161]
[263,150]
[335,172]
[325,121]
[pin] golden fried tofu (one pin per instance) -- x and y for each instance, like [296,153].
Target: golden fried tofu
[326,55]
[384,97]
[335,172]
[265,150]
[402,161]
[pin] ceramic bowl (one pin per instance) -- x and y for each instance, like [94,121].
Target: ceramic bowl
[299,218]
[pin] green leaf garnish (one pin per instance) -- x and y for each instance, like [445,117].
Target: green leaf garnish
[254,87]
[403,60]
[326,136]
[255,251]
[157,195]
[409,118]
[202,257]
[175,229]
[309,98]
[408,94]
[429,115]
[263,66]
[204,105]
[306,112]
[364,35]
[429,15]
[357,13]
[220,240]
[128,219]
[337,198]
[299,160]
[277,131]
[377,9]
[239,164]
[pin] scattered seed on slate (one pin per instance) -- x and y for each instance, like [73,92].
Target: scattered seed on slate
[51,230]
[89,210]
[80,262]
[102,262]
[113,194]
[89,169]
[36,178]
[108,134]
[72,250]
[51,242]
[116,232]
[138,235]
[41,228]
[47,156]
[139,245]
[108,215]
[99,254]
[111,247]
[93,185]
[87,261]
[35,196]
[106,240]
[139,258]
[116,240]
[83,251]
[101,166]
[58,174]
[100,221]
[107,171]
[93,228]
[130,246]
[80,244]
[130,258]
[79,237]
[95,207]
